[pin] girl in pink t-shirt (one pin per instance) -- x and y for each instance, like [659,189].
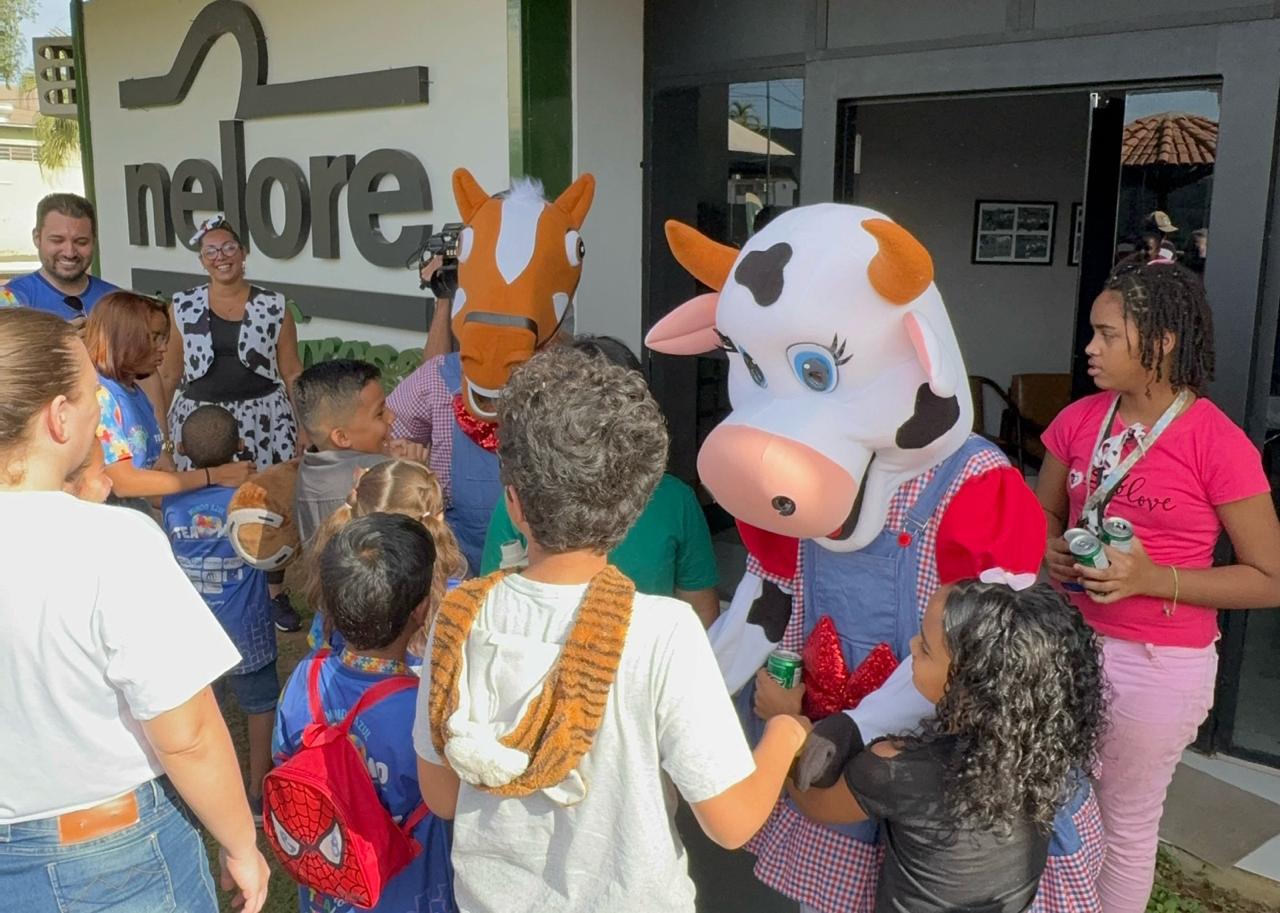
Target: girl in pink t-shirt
[1195,474]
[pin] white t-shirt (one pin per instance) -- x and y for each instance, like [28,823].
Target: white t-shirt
[668,719]
[101,629]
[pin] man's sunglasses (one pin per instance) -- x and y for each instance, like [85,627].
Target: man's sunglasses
[74,302]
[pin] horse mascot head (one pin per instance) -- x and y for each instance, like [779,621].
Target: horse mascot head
[519,262]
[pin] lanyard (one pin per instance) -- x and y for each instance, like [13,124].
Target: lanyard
[1095,502]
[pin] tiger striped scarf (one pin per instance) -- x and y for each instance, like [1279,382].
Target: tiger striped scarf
[561,723]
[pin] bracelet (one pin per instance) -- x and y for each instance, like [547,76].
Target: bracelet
[1170,609]
[207,480]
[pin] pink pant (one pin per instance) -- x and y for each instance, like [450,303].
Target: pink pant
[1159,698]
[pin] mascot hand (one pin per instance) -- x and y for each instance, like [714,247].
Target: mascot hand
[831,745]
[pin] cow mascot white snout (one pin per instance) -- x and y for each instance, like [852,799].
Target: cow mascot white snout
[849,437]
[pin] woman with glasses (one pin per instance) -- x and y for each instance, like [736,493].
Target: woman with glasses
[235,345]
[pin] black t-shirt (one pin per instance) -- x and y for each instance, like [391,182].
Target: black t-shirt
[931,866]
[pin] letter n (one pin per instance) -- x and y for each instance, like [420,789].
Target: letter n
[139,180]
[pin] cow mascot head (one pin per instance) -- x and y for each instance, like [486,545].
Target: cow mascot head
[845,376]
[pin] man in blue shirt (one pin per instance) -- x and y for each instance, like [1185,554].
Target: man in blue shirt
[66,226]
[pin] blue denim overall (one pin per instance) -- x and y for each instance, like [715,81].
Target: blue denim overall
[474,482]
[871,597]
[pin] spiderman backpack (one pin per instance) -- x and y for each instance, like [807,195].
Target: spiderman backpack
[323,817]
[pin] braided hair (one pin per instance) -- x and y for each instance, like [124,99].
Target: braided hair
[1163,297]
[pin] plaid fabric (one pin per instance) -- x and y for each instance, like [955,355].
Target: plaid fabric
[804,860]
[1070,883]
[423,406]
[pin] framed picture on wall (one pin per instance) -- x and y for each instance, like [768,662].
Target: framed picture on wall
[1014,233]
[1077,234]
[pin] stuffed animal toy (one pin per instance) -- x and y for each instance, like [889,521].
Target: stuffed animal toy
[260,518]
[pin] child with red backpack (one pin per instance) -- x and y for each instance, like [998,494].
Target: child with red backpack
[344,813]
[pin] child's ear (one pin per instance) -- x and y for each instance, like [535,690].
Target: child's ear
[422,612]
[339,439]
[515,510]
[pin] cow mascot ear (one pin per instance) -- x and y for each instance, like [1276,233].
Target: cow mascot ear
[260,518]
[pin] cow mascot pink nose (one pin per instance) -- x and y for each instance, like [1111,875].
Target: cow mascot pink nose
[849,438]
[774,482]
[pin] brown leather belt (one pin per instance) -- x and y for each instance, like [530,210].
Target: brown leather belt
[98,821]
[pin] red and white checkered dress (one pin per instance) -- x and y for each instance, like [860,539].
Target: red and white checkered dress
[835,873]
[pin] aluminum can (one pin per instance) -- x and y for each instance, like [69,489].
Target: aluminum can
[1070,536]
[1087,550]
[1117,533]
[785,667]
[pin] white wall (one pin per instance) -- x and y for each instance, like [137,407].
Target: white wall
[926,164]
[608,109]
[21,187]
[464,45]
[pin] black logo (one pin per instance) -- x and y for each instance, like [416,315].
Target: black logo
[245,196]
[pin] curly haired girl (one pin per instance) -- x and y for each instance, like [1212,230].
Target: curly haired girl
[396,487]
[968,803]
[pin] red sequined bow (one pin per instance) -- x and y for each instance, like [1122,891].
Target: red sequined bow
[483,433]
[829,686]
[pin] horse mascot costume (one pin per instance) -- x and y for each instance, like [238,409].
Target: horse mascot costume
[849,438]
[519,262]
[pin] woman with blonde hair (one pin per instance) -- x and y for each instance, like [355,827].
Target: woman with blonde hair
[392,487]
[115,746]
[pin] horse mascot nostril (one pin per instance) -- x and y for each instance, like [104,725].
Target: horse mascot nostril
[520,258]
[849,439]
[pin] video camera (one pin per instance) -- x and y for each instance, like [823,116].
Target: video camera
[444,244]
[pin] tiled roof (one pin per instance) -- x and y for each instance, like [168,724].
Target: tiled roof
[1170,139]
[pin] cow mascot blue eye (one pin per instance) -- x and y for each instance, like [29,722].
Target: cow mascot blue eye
[814,366]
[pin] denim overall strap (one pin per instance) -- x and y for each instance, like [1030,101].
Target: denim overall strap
[474,481]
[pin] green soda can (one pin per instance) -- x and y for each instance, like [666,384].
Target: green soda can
[1117,533]
[1087,550]
[785,667]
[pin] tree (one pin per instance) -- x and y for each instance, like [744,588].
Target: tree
[59,137]
[13,49]
[744,113]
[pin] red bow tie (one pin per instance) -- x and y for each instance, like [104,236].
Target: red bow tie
[829,686]
[483,433]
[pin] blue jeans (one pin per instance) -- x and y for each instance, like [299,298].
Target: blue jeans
[157,865]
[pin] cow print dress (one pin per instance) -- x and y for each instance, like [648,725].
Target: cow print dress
[266,421]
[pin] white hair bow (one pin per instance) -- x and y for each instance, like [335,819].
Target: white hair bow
[216,220]
[1016,582]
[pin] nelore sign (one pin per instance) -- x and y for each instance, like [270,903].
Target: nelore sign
[312,191]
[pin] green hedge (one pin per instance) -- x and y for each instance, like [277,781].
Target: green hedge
[395,366]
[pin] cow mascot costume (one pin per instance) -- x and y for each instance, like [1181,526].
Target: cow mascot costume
[850,436]
[519,261]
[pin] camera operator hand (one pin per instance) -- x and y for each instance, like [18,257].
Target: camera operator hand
[429,269]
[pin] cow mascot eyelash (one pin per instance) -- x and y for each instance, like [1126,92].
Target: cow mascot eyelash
[849,437]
